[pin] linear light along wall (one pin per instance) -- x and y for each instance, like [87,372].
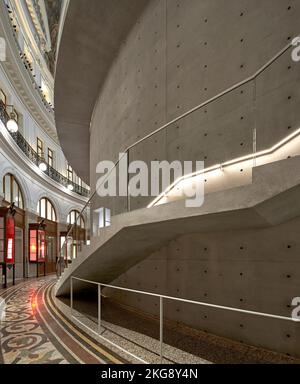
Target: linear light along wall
[290,144]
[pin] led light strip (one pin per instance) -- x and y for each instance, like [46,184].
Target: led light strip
[238,160]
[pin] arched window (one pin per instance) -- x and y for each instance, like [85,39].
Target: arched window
[46,210]
[12,191]
[75,217]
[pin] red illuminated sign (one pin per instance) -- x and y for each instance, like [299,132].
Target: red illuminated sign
[10,240]
[37,244]
[7,237]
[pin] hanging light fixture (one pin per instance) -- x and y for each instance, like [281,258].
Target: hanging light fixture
[12,124]
[43,165]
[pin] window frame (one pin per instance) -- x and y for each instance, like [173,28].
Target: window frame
[39,147]
[13,182]
[50,157]
[47,204]
[70,172]
[76,216]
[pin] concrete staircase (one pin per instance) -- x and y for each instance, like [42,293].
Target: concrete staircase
[271,198]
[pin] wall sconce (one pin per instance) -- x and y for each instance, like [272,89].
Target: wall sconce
[12,124]
[42,163]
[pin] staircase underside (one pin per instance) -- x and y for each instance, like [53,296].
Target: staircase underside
[271,199]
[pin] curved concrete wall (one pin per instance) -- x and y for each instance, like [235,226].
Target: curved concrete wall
[253,269]
[179,54]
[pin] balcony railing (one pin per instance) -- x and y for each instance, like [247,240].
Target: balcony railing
[36,159]
[23,58]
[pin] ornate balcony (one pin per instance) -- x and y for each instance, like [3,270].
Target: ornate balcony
[36,159]
[24,59]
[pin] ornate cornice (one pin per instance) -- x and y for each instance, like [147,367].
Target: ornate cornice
[22,81]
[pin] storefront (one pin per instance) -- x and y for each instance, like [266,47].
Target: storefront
[47,214]
[37,247]
[13,195]
[25,264]
[7,244]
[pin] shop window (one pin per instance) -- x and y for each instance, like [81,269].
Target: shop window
[37,243]
[7,236]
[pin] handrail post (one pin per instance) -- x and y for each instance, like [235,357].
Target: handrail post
[99,309]
[71,296]
[161,313]
[127,179]
[254,131]
[161,327]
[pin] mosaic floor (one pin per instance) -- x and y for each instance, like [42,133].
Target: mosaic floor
[32,331]
[36,328]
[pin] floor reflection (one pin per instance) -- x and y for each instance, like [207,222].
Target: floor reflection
[23,341]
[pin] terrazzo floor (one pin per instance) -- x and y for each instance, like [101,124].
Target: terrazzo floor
[33,332]
[37,328]
[139,334]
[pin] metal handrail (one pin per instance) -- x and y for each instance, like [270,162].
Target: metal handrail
[189,112]
[26,148]
[161,309]
[204,304]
